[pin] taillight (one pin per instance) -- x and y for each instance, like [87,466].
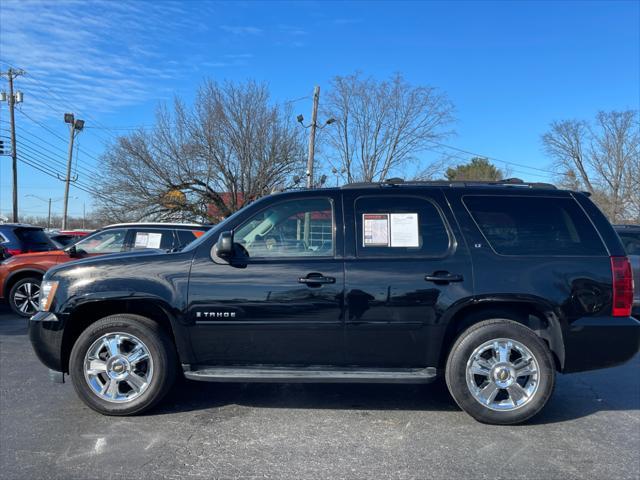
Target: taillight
[13,251]
[622,286]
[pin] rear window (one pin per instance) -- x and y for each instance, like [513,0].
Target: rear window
[33,239]
[631,242]
[519,225]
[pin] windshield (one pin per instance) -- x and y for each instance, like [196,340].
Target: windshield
[215,229]
[107,241]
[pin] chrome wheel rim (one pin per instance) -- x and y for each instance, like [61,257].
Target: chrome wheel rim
[27,297]
[118,367]
[502,374]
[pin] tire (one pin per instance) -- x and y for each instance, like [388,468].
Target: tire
[24,296]
[143,350]
[476,368]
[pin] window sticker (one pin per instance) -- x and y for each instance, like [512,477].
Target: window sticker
[142,240]
[154,240]
[404,230]
[375,228]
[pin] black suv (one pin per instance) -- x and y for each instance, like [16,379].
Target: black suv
[495,286]
[630,236]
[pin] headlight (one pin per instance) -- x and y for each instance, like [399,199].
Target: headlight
[47,292]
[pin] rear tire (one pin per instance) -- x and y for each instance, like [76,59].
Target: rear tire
[24,296]
[122,365]
[500,372]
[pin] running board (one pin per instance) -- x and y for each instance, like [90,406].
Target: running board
[310,374]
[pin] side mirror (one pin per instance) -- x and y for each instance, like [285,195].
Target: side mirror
[72,251]
[224,246]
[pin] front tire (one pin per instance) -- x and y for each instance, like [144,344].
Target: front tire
[500,372]
[24,296]
[122,365]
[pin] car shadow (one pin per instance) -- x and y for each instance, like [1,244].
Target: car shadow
[576,396]
[191,395]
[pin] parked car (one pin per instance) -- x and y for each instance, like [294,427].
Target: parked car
[64,238]
[17,238]
[20,276]
[495,286]
[630,236]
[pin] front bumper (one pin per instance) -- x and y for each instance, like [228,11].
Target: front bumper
[46,333]
[600,342]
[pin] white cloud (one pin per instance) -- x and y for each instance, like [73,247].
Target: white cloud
[241,29]
[93,56]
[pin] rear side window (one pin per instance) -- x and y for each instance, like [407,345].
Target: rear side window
[519,225]
[397,226]
[631,242]
[185,237]
[152,238]
[33,239]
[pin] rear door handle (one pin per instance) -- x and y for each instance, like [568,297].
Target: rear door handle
[316,279]
[443,277]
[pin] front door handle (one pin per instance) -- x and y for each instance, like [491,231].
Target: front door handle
[443,277]
[314,279]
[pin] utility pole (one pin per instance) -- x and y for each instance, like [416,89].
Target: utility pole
[312,135]
[12,99]
[75,127]
[313,126]
[49,201]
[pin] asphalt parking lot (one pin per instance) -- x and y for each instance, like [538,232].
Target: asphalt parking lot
[590,429]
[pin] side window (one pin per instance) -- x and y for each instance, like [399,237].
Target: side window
[107,241]
[519,225]
[631,242]
[185,237]
[300,228]
[151,238]
[400,227]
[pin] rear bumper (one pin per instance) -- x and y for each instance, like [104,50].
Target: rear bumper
[600,342]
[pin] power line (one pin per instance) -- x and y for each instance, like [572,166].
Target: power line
[37,158]
[45,156]
[35,145]
[90,167]
[52,132]
[451,147]
[27,159]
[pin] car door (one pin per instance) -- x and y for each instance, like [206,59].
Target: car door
[281,301]
[405,264]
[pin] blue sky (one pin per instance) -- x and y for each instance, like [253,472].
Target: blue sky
[510,68]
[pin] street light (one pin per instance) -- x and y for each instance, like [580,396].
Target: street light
[76,126]
[312,137]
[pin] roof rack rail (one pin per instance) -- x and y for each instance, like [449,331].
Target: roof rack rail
[507,182]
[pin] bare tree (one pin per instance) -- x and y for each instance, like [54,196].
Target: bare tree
[207,161]
[602,158]
[382,124]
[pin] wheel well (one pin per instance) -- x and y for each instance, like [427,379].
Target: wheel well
[16,277]
[527,314]
[89,313]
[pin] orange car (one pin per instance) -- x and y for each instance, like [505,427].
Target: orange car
[20,275]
